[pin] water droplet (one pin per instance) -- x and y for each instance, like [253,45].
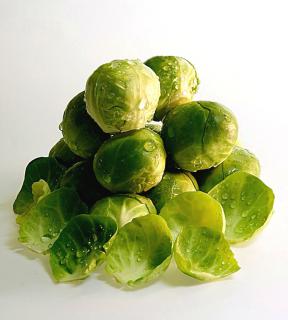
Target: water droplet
[249,203]
[253,216]
[224,196]
[138,259]
[79,254]
[149,146]
[46,238]
[233,205]
[188,250]
[165,68]
[244,214]
[107,178]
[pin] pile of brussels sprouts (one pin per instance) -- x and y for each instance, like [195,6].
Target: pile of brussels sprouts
[143,173]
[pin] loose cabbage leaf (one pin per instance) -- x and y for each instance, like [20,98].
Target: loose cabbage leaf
[79,248]
[141,251]
[204,254]
[43,168]
[247,204]
[41,225]
[193,208]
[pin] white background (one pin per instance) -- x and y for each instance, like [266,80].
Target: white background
[47,51]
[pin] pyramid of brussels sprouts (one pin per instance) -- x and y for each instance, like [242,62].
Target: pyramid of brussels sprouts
[143,174]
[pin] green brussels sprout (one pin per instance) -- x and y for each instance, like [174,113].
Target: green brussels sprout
[80,247]
[45,170]
[170,186]
[130,162]
[204,254]
[239,160]
[199,135]
[178,82]
[81,178]
[122,95]
[141,251]
[80,131]
[61,152]
[247,204]
[123,207]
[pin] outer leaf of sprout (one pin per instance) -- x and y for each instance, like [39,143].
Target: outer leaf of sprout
[80,247]
[204,254]
[141,251]
[41,225]
[239,160]
[193,208]
[44,168]
[247,204]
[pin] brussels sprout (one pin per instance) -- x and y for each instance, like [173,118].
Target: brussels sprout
[239,160]
[247,204]
[46,169]
[178,82]
[61,152]
[82,178]
[123,208]
[193,208]
[79,247]
[170,186]
[141,251]
[122,95]
[41,225]
[199,135]
[131,162]
[204,254]
[80,131]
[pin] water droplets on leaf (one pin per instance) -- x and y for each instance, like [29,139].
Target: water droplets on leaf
[149,146]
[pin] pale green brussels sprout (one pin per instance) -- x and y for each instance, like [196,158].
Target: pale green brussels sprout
[122,95]
[239,160]
[130,162]
[123,207]
[178,82]
[170,186]
[247,204]
[199,135]
[80,131]
[62,153]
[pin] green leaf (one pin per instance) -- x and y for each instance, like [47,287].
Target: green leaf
[44,168]
[79,248]
[141,251]
[40,227]
[204,254]
[239,160]
[123,208]
[247,204]
[193,208]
